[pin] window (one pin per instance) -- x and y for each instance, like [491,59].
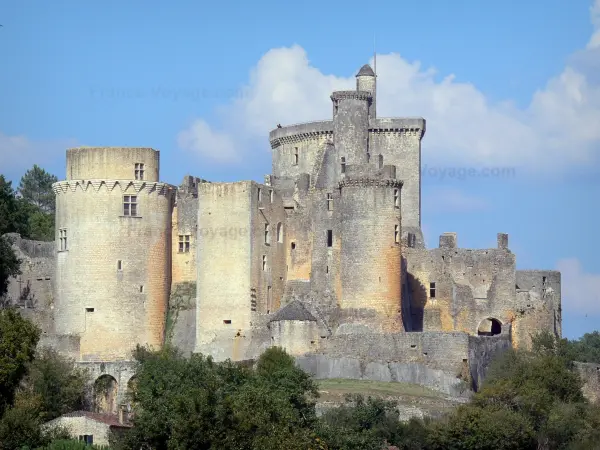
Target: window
[259,195]
[329,202]
[271,195]
[62,239]
[368,157]
[141,288]
[139,171]
[87,438]
[295,162]
[397,198]
[279,232]
[293,245]
[343,165]
[397,234]
[381,161]
[227,321]
[119,265]
[130,205]
[184,243]
[264,262]
[432,289]
[329,238]
[267,236]
[90,310]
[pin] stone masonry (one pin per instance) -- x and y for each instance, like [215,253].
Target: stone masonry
[326,258]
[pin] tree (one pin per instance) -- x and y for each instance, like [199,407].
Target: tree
[36,188]
[59,384]
[199,404]
[10,265]
[18,339]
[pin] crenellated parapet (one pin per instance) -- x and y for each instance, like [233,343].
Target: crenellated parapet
[304,132]
[63,187]
[398,126]
[350,95]
[370,182]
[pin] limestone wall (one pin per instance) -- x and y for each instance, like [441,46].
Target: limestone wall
[482,351]
[112,163]
[455,289]
[371,255]
[398,141]
[590,375]
[113,272]
[33,289]
[303,140]
[297,337]
[538,305]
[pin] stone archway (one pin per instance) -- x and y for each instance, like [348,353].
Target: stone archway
[106,389]
[489,327]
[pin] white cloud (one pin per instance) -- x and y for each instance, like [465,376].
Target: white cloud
[19,153]
[200,138]
[446,199]
[580,290]
[557,131]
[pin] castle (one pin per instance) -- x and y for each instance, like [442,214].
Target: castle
[325,258]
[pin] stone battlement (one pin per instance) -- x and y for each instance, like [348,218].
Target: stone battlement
[63,187]
[300,132]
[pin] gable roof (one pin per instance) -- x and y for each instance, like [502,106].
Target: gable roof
[294,311]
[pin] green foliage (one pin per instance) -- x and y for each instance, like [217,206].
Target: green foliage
[71,444]
[21,425]
[18,339]
[36,188]
[474,427]
[198,404]
[13,219]
[587,348]
[59,384]
[9,264]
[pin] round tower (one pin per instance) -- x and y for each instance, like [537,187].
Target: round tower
[371,254]
[351,125]
[113,225]
[366,81]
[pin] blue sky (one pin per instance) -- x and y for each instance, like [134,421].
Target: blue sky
[509,85]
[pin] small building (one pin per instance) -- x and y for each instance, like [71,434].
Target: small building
[91,427]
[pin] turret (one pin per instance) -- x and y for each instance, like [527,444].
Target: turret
[366,81]
[351,126]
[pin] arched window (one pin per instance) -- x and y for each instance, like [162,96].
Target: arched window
[279,232]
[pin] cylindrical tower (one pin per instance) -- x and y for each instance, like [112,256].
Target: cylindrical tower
[366,81]
[371,253]
[113,228]
[351,125]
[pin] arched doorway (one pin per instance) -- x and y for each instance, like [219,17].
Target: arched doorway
[105,395]
[489,327]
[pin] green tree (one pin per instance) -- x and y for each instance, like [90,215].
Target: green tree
[18,339]
[57,382]
[10,265]
[13,219]
[36,188]
[199,404]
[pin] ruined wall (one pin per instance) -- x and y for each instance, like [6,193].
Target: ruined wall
[538,305]
[590,375]
[113,271]
[33,289]
[267,259]
[116,163]
[482,352]
[454,289]
[398,142]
